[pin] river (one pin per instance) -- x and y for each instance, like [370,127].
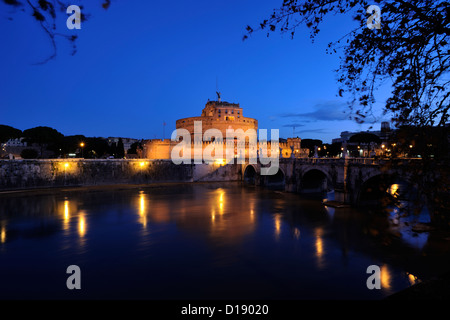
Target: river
[203,241]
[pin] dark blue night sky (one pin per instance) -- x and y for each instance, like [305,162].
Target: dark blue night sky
[141,63]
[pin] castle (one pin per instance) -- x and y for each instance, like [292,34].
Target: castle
[219,115]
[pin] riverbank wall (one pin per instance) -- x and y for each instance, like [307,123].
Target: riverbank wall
[43,173]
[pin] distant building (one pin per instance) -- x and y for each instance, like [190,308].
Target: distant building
[291,148]
[17,142]
[127,142]
[13,147]
[384,133]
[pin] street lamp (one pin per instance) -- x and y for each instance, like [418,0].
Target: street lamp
[82,148]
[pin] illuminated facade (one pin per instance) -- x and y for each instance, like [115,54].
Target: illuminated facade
[221,116]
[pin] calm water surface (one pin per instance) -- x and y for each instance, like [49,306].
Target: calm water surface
[205,241]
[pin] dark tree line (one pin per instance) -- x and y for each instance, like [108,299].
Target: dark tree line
[49,141]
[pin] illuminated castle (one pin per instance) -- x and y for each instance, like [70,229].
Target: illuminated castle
[218,115]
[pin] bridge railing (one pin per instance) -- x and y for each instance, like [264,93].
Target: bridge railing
[363,161]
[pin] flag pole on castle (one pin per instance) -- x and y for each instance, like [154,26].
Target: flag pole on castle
[164,130]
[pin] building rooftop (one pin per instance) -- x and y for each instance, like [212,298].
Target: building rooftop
[223,103]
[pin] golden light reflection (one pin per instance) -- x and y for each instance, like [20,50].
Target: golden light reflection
[296,233]
[319,247]
[142,209]
[3,235]
[385,276]
[81,224]
[393,189]
[412,279]
[277,222]
[228,222]
[66,215]
[66,210]
[221,201]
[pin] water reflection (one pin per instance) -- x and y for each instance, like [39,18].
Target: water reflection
[221,193]
[412,278]
[393,189]
[385,277]
[142,209]
[319,248]
[66,220]
[3,234]
[296,233]
[81,224]
[231,220]
[229,240]
[277,223]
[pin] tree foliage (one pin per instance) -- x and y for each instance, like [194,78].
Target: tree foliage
[311,143]
[120,149]
[46,13]
[365,137]
[29,154]
[135,147]
[7,132]
[42,135]
[410,52]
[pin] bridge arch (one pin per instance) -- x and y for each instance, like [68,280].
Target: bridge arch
[315,180]
[250,174]
[384,187]
[276,181]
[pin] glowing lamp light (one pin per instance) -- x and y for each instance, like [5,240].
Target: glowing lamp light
[66,165]
[142,164]
[220,161]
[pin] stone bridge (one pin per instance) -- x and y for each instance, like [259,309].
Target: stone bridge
[354,180]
